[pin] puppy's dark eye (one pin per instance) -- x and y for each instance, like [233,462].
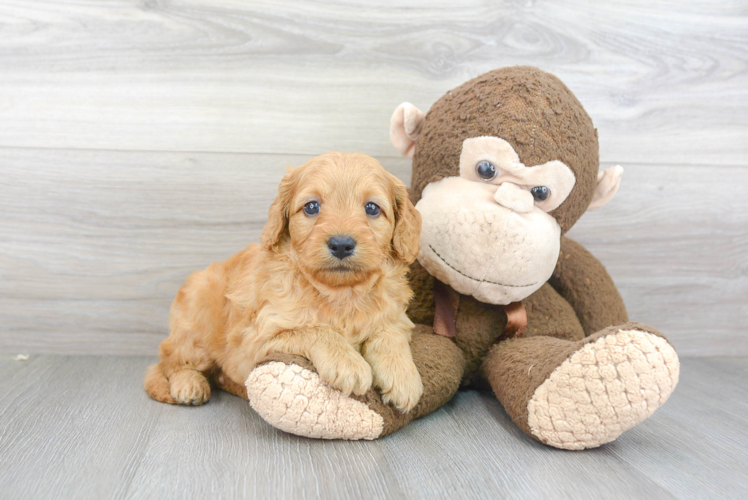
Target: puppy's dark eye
[540,193]
[311,208]
[372,209]
[485,170]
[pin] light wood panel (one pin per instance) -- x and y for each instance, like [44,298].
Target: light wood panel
[82,427]
[675,240]
[105,209]
[95,244]
[663,81]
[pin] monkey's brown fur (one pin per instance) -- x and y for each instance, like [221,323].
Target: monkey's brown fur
[538,115]
[532,110]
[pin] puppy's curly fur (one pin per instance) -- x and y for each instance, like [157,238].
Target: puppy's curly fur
[290,294]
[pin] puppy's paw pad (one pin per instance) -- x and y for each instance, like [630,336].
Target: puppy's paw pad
[305,405]
[189,387]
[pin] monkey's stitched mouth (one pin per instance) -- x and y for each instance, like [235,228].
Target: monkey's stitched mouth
[475,279]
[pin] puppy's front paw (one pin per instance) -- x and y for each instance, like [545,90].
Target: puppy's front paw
[401,387]
[189,387]
[348,373]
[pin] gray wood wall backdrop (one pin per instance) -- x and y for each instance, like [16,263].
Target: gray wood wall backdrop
[142,140]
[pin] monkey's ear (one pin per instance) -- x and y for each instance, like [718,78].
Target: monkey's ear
[608,182]
[406,239]
[279,212]
[405,127]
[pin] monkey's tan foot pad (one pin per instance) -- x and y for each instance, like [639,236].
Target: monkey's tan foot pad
[295,399]
[608,386]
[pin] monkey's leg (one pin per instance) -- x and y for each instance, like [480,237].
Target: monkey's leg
[577,395]
[287,392]
[225,383]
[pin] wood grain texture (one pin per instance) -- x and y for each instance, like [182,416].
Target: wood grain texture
[95,244]
[664,81]
[675,241]
[82,427]
[105,207]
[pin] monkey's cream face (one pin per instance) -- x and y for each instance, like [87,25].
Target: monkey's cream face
[487,233]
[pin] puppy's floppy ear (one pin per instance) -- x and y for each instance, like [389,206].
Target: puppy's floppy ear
[279,212]
[406,239]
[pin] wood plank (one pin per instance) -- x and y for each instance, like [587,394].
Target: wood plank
[94,245]
[703,422]
[225,450]
[86,427]
[675,240]
[294,77]
[73,427]
[471,449]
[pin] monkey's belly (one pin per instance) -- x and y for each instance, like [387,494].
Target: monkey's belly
[480,324]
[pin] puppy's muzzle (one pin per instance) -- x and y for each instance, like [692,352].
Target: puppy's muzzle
[341,246]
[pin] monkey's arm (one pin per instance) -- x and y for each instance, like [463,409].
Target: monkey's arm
[421,308]
[583,281]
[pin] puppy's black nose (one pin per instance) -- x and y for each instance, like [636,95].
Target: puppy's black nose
[341,246]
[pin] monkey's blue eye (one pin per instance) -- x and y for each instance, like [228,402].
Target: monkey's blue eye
[540,193]
[485,170]
[372,209]
[311,208]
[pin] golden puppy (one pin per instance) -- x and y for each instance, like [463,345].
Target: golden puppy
[327,282]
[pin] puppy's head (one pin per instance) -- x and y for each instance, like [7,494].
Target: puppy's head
[342,216]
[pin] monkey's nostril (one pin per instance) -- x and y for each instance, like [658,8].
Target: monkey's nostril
[341,246]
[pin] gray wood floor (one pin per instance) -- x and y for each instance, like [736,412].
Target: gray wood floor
[82,427]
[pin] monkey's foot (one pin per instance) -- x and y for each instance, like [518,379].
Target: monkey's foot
[593,390]
[288,393]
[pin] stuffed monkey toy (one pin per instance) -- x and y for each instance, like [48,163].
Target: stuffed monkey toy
[503,166]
